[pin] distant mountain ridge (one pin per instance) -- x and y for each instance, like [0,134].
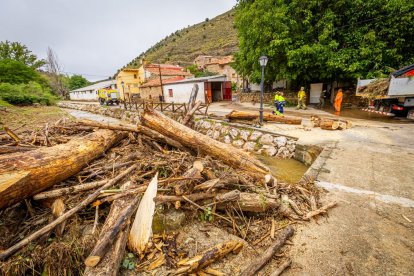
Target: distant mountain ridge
[215,37]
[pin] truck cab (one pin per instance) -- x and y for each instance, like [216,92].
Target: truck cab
[108,96]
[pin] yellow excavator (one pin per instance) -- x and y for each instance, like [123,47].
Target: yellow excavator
[108,96]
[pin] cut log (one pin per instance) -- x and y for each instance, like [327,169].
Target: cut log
[190,113]
[341,125]
[267,117]
[209,256]
[141,230]
[197,141]
[255,203]
[257,264]
[117,219]
[132,128]
[88,200]
[329,124]
[25,174]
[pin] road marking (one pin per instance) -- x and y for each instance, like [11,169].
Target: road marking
[402,201]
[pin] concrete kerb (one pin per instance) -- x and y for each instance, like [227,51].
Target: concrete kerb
[316,167]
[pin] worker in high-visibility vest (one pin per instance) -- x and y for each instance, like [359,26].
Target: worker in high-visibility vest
[282,103]
[338,100]
[301,99]
[276,103]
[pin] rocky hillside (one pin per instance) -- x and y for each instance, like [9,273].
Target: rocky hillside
[217,37]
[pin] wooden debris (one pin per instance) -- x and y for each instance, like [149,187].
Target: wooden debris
[257,264]
[58,209]
[115,222]
[285,264]
[69,190]
[8,252]
[197,141]
[209,256]
[141,229]
[190,113]
[25,174]
[329,124]
[321,210]
[267,117]
[12,134]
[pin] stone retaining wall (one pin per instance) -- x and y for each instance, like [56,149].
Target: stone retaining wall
[248,139]
[244,138]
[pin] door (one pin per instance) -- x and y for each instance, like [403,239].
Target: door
[227,91]
[207,92]
[315,92]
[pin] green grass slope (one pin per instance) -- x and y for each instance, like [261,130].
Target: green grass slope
[216,37]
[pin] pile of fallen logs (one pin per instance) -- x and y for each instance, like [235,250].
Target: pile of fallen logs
[87,206]
[267,117]
[330,124]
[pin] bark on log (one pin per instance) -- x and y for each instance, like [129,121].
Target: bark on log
[329,124]
[39,233]
[257,264]
[28,173]
[250,202]
[267,117]
[209,256]
[132,128]
[118,217]
[69,190]
[13,149]
[197,141]
[190,113]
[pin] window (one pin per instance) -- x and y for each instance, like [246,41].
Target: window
[170,93]
[135,76]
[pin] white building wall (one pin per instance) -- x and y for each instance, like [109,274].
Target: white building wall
[182,92]
[88,95]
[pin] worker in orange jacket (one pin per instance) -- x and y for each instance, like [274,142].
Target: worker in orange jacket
[338,100]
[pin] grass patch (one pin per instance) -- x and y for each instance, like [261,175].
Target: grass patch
[4,103]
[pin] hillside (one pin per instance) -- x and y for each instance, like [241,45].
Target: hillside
[217,37]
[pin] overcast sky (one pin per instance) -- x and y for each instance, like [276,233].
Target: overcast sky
[97,37]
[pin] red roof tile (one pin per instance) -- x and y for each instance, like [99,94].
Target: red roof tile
[156,82]
[166,70]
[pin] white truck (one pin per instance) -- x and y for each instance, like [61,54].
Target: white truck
[399,99]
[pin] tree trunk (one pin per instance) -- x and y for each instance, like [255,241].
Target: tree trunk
[329,124]
[257,264]
[267,117]
[13,149]
[197,141]
[132,128]
[25,174]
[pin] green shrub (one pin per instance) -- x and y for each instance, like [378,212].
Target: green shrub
[26,94]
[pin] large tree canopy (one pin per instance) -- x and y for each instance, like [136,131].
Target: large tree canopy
[19,52]
[77,81]
[323,40]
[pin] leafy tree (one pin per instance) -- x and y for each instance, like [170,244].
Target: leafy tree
[199,73]
[77,81]
[19,52]
[324,40]
[15,72]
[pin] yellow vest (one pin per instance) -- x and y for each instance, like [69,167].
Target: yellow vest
[301,94]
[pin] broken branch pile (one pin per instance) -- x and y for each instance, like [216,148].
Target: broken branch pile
[71,207]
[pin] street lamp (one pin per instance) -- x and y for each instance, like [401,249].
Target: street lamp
[123,92]
[263,62]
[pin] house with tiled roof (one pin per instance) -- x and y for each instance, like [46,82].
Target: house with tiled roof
[131,81]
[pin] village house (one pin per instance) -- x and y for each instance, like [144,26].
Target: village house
[210,89]
[143,81]
[222,66]
[201,61]
[90,92]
